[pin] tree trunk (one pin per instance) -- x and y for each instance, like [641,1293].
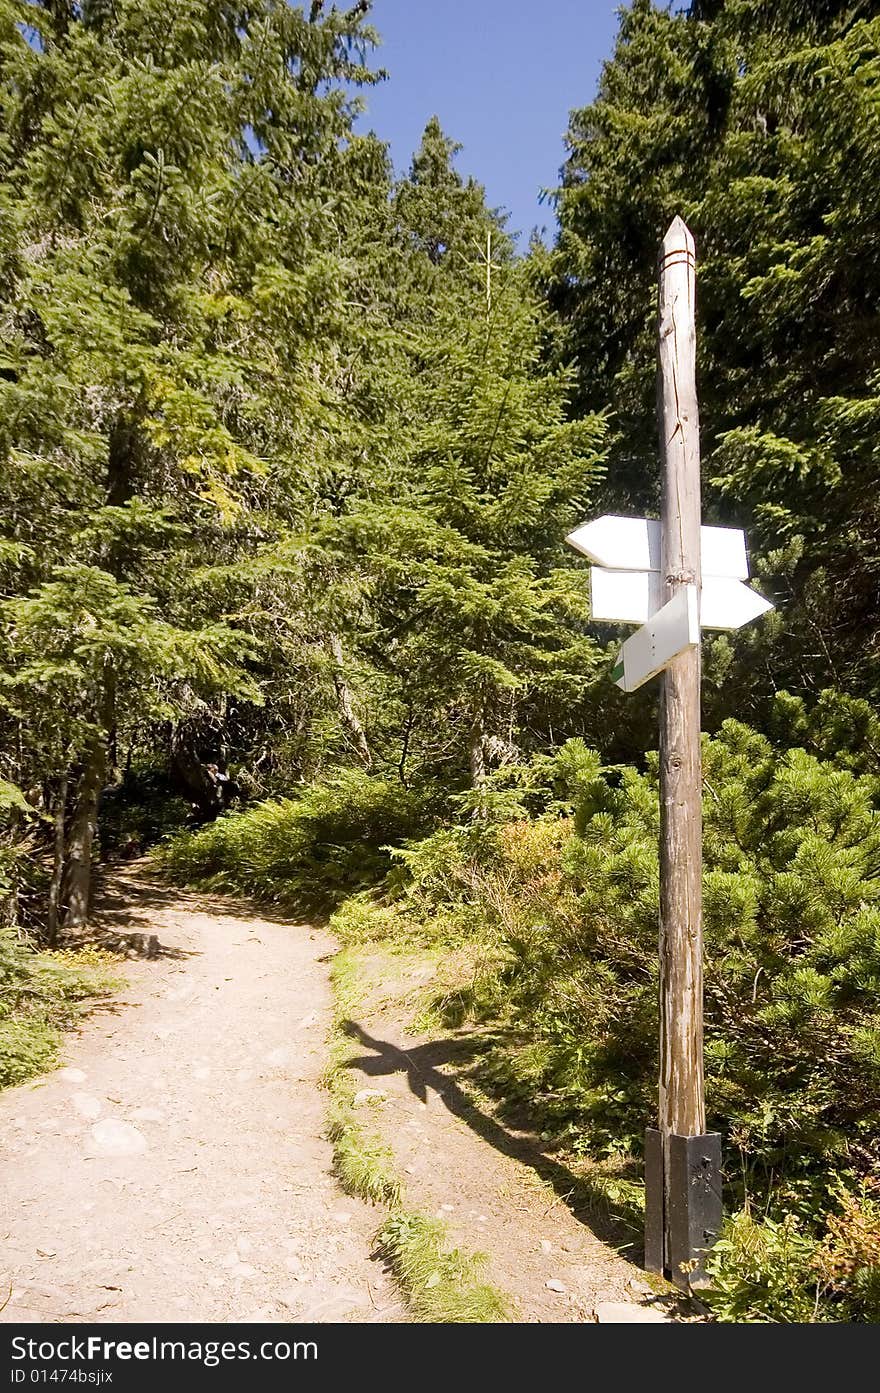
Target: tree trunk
[401,765]
[121,464]
[192,776]
[78,880]
[57,864]
[350,718]
[477,751]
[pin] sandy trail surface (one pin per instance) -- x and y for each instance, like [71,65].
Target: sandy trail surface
[175,1168]
[493,1184]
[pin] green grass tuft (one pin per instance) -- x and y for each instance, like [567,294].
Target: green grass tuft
[364,1165]
[442,1285]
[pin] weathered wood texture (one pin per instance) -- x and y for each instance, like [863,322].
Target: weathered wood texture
[682,1108]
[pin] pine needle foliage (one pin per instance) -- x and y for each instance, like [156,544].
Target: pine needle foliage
[757,122]
[553,898]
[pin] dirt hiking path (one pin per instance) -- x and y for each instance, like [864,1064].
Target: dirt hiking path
[491,1183]
[176,1168]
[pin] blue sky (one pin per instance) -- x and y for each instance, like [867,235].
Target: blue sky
[502,76]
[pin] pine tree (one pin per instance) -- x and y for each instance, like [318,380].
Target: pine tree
[758,122]
[464,605]
[172,286]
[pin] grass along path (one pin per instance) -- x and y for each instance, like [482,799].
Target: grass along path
[411,1132]
[440,1283]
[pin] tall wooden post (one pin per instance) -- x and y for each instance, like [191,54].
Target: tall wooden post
[683,1164]
[682,1108]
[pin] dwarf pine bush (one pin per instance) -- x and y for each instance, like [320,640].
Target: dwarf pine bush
[562,908]
[792,924]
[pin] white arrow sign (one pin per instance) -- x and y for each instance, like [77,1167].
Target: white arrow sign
[626,581]
[633,544]
[631,597]
[667,633]
[624,597]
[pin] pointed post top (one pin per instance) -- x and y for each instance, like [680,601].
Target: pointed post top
[678,246]
[678,237]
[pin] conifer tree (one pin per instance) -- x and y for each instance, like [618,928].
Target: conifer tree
[758,122]
[465,604]
[172,285]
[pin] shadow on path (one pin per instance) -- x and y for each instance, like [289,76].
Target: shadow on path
[123,917]
[131,889]
[421,1066]
[131,898]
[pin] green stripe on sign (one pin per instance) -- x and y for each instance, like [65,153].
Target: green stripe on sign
[617,672]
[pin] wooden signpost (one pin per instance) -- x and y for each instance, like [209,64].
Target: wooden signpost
[652,573]
[682,1111]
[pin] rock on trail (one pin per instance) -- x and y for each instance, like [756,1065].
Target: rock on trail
[176,1168]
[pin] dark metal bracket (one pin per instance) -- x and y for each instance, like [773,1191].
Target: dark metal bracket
[683,1208]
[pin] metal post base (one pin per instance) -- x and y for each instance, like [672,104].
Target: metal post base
[683,1208]
[654,1205]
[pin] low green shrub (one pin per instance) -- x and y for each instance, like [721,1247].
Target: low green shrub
[308,853]
[364,919]
[849,1258]
[792,1270]
[41,995]
[566,907]
[764,1271]
[561,907]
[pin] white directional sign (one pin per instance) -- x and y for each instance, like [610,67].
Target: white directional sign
[667,633]
[624,597]
[626,581]
[633,544]
[631,597]
[728,604]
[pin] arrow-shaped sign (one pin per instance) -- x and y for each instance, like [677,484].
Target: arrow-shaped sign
[667,633]
[627,586]
[631,597]
[633,544]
